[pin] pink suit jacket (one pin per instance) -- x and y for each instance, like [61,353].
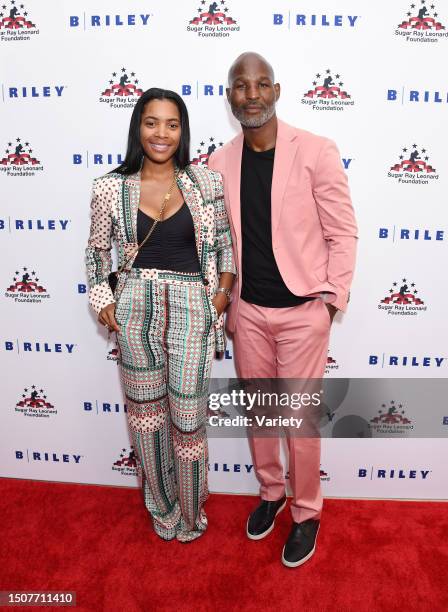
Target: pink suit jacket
[314,231]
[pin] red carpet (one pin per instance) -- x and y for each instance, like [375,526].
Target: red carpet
[97,541]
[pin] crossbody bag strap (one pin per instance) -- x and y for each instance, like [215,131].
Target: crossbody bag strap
[153,226]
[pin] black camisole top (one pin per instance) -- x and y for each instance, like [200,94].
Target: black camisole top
[172,244]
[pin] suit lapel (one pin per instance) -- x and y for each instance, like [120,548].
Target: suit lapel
[130,199]
[285,151]
[233,186]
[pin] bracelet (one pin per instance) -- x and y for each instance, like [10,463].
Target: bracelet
[226,292]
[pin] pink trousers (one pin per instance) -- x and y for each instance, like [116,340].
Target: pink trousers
[285,343]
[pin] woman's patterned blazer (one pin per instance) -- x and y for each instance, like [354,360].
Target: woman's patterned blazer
[114,206]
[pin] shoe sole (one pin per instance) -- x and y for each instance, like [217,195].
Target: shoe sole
[301,561]
[268,530]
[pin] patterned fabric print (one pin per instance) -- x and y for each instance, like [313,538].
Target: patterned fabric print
[190,347]
[98,251]
[212,190]
[167,346]
[205,189]
[114,206]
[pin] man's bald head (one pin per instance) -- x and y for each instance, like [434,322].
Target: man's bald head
[247,62]
[252,93]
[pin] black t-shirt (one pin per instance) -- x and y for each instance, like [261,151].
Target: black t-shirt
[262,283]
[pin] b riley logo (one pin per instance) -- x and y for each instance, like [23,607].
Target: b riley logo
[26,288]
[391,420]
[421,24]
[213,21]
[126,465]
[34,403]
[15,23]
[204,151]
[122,90]
[413,167]
[19,160]
[327,93]
[403,301]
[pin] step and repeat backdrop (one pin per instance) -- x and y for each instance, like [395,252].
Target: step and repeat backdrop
[367,74]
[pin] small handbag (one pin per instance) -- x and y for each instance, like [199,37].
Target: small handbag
[113,276]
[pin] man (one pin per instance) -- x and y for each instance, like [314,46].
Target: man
[294,235]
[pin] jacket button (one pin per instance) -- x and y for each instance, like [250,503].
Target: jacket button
[206,281]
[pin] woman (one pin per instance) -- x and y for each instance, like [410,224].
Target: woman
[168,305]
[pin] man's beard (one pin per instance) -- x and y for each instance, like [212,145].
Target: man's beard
[253,122]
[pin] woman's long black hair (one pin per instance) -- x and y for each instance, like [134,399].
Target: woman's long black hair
[134,153]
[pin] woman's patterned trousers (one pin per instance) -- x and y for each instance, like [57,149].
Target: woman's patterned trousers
[167,343]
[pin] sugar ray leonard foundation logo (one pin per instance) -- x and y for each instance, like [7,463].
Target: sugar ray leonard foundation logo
[19,160]
[413,167]
[34,403]
[216,413]
[213,21]
[15,22]
[391,419]
[114,354]
[402,300]
[331,365]
[26,287]
[122,91]
[324,477]
[422,24]
[328,93]
[204,150]
[127,464]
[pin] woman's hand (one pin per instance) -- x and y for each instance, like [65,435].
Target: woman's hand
[107,318]
[220,302]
